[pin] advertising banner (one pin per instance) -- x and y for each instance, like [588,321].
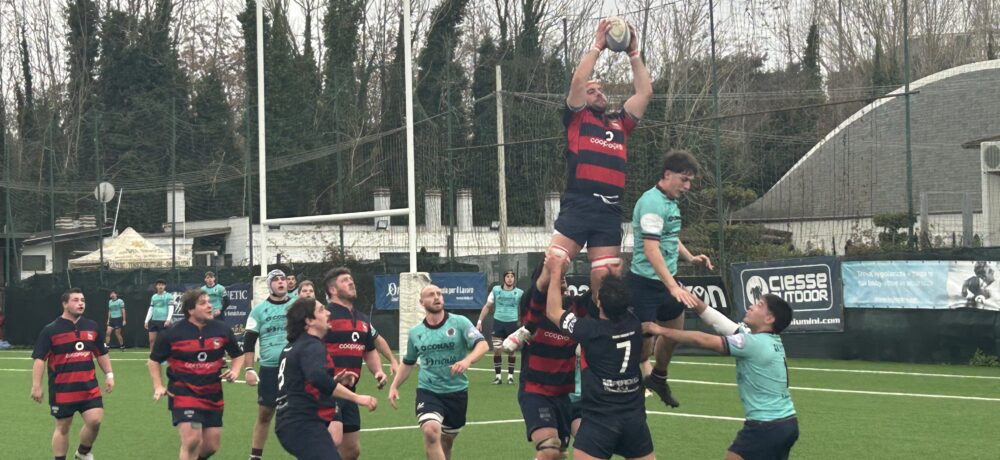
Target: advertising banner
[811,286]
[934,284]
[709,289]
[462,291]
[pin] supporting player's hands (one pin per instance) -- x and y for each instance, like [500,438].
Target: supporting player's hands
[36,393]
[556,265]
[381,378]
[230,375]
[702,260]
[368,401]
[515,340]
[601,40]
[251,376]
[683,296]
[158,392]
[393,396]
[346,378]
[460,367]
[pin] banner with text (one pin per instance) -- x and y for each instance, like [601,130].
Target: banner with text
[709,289]
[811,286]
[937,284]
[462,291]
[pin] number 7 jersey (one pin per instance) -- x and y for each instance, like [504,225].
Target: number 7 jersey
[610,379]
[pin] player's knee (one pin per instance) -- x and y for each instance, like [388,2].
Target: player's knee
[548,449]
[432,433]
[264,415]
[349,451]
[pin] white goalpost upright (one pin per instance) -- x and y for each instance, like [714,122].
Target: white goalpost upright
[410,283]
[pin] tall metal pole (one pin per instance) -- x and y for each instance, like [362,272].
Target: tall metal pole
[9,227]
[411,186]
[248,186]
[906,95]
[173,188]
[451,167]
[261,139]
[717,140]
[52,200]
[502,164]
[103,204]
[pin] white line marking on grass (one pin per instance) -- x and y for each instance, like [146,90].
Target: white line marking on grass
[16,370]
[498,422]
[862,392]
[853,371]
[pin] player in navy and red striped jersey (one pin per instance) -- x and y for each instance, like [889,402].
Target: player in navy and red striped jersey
[306,387]
[194,349]
[596,161]
[351,341]
[548,371]
[69,345]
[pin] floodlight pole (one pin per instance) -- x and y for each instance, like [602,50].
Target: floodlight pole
[411,191]
[906,92]
[261,146]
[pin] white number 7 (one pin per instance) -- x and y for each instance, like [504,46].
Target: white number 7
[627,345]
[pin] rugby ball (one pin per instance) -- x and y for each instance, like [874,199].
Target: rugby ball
[617,36]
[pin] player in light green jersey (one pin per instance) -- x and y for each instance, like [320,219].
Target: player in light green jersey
[445,345]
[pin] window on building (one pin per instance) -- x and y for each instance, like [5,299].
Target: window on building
[228,260]
[33,263]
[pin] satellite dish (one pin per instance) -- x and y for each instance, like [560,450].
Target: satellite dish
[104,192]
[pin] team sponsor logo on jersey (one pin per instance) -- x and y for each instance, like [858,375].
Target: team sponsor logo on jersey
[202,356]
[351,346]
[79,346]
[451,332]
[355,336]
[610,144]
[560,337]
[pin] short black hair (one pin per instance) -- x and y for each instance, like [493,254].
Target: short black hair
[303,308]
[681,162]
[65,296]
[614,297]
[332,275]
[160,281]
[207,274]
[780,310]
[189,300]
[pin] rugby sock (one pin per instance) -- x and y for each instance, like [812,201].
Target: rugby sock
[659,375]
[256,454]
[84,450]
[511,359]
[205,457]
[497,364]
[61,457]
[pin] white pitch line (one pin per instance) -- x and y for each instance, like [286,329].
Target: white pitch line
[854,371]
[16,370]
[861,392]
[498,422]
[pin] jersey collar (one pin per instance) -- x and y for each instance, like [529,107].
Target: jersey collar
[438,326]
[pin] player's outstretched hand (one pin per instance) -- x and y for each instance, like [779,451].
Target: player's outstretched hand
[459,367]
[109,384]
[158,392]
[381,379]
[393,367]
[515,340]
[230,375]
[633,43]
[702,260]
[368,401]
[346,378]
[393,396]
[601,40]
[36,393]
[683,296]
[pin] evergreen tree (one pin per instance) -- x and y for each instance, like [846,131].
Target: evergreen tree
[82,50]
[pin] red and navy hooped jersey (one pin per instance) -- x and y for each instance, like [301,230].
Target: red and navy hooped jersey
[596,156]
[305,383]
[548,360]
[194,359]
[351,335]
[69,349]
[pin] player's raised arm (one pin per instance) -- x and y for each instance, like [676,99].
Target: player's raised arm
[555,266]
[577,97]
[636,105]
[693,338]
